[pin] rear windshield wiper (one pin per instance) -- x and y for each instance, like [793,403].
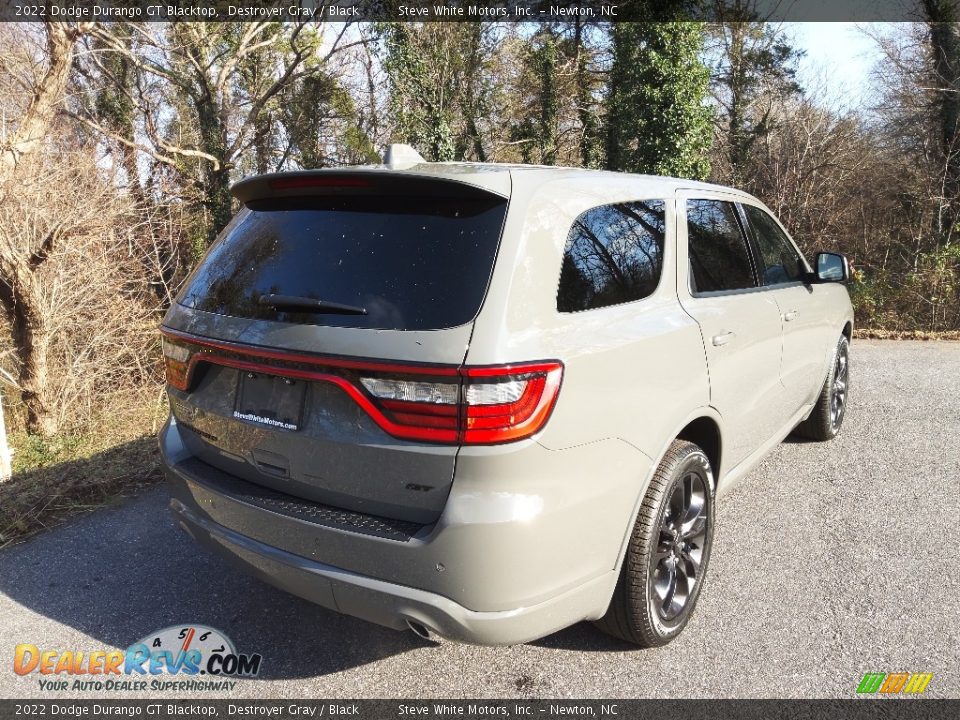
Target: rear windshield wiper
[305,304]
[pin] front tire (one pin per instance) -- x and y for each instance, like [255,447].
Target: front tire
[831,407]
[669,549]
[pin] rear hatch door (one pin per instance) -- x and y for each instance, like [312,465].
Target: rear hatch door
[327,299]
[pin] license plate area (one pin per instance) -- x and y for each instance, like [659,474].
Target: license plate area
[270,401]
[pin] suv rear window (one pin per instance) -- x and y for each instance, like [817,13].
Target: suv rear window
[414,263]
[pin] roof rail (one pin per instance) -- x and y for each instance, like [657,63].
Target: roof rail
[401,157]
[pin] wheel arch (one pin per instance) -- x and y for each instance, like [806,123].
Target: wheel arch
[702,427]
[704,432]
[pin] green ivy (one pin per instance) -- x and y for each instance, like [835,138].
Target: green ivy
[658,121]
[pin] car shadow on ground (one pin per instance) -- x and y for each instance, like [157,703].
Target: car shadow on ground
[798,440]
[585,637]
[122,573]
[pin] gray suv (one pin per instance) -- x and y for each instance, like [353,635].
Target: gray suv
[485,402]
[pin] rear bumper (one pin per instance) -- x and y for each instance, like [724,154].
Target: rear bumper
[528,542]
[384,603]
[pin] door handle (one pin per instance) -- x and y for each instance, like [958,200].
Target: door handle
[790,315]
[723,338]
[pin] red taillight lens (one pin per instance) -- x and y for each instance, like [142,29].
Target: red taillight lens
[508,403]
[489,405]
[417,409]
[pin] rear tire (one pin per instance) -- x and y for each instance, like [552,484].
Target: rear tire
[828,413]
[668,552]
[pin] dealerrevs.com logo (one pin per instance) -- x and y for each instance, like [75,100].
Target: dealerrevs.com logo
[186,651]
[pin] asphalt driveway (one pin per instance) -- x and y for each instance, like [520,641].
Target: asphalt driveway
[830,561]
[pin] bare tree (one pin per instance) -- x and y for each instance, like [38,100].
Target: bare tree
[72,279]
[46,94]
[202,95]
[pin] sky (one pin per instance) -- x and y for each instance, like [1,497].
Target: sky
[842,54]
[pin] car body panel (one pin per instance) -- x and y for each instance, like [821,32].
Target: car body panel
[606,351]
[339,456]
[742,338]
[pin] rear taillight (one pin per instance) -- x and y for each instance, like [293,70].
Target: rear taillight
[437,404]
[489,404]
[176,362]
[509,403]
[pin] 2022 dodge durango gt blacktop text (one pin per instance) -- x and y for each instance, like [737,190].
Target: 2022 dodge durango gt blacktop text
[486,402]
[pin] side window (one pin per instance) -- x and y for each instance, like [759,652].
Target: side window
[781,261]
[719,258]
[613,255]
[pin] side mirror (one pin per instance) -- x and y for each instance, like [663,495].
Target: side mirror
[831,267]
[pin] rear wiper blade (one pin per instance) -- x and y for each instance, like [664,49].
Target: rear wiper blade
[305,304]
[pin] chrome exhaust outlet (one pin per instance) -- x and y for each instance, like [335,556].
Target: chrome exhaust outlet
[421,630]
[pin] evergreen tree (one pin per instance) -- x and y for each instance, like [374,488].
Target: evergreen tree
[944,41]
[657,118]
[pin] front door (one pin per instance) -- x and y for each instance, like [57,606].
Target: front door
[807,335]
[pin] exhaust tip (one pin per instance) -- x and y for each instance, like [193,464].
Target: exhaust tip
[421,630]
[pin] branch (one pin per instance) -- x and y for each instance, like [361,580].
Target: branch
[165,159]
[42,253]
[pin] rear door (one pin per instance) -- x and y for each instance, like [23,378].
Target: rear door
[740,324]
[320,311]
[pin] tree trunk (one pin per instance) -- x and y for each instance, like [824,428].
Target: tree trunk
[216,179]
[945,47]
[588,120]
[736,131]
[219,202]
[22,298]
[47,96]
[35,380]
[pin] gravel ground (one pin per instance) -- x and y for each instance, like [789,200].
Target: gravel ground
[830,561]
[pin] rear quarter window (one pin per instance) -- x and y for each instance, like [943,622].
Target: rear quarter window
[414,263]
[613,255]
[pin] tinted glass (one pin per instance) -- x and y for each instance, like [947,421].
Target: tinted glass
[614,254]
[719,259]
[781,262]
[414,263]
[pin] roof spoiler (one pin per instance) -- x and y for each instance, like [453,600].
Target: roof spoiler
[371,181]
